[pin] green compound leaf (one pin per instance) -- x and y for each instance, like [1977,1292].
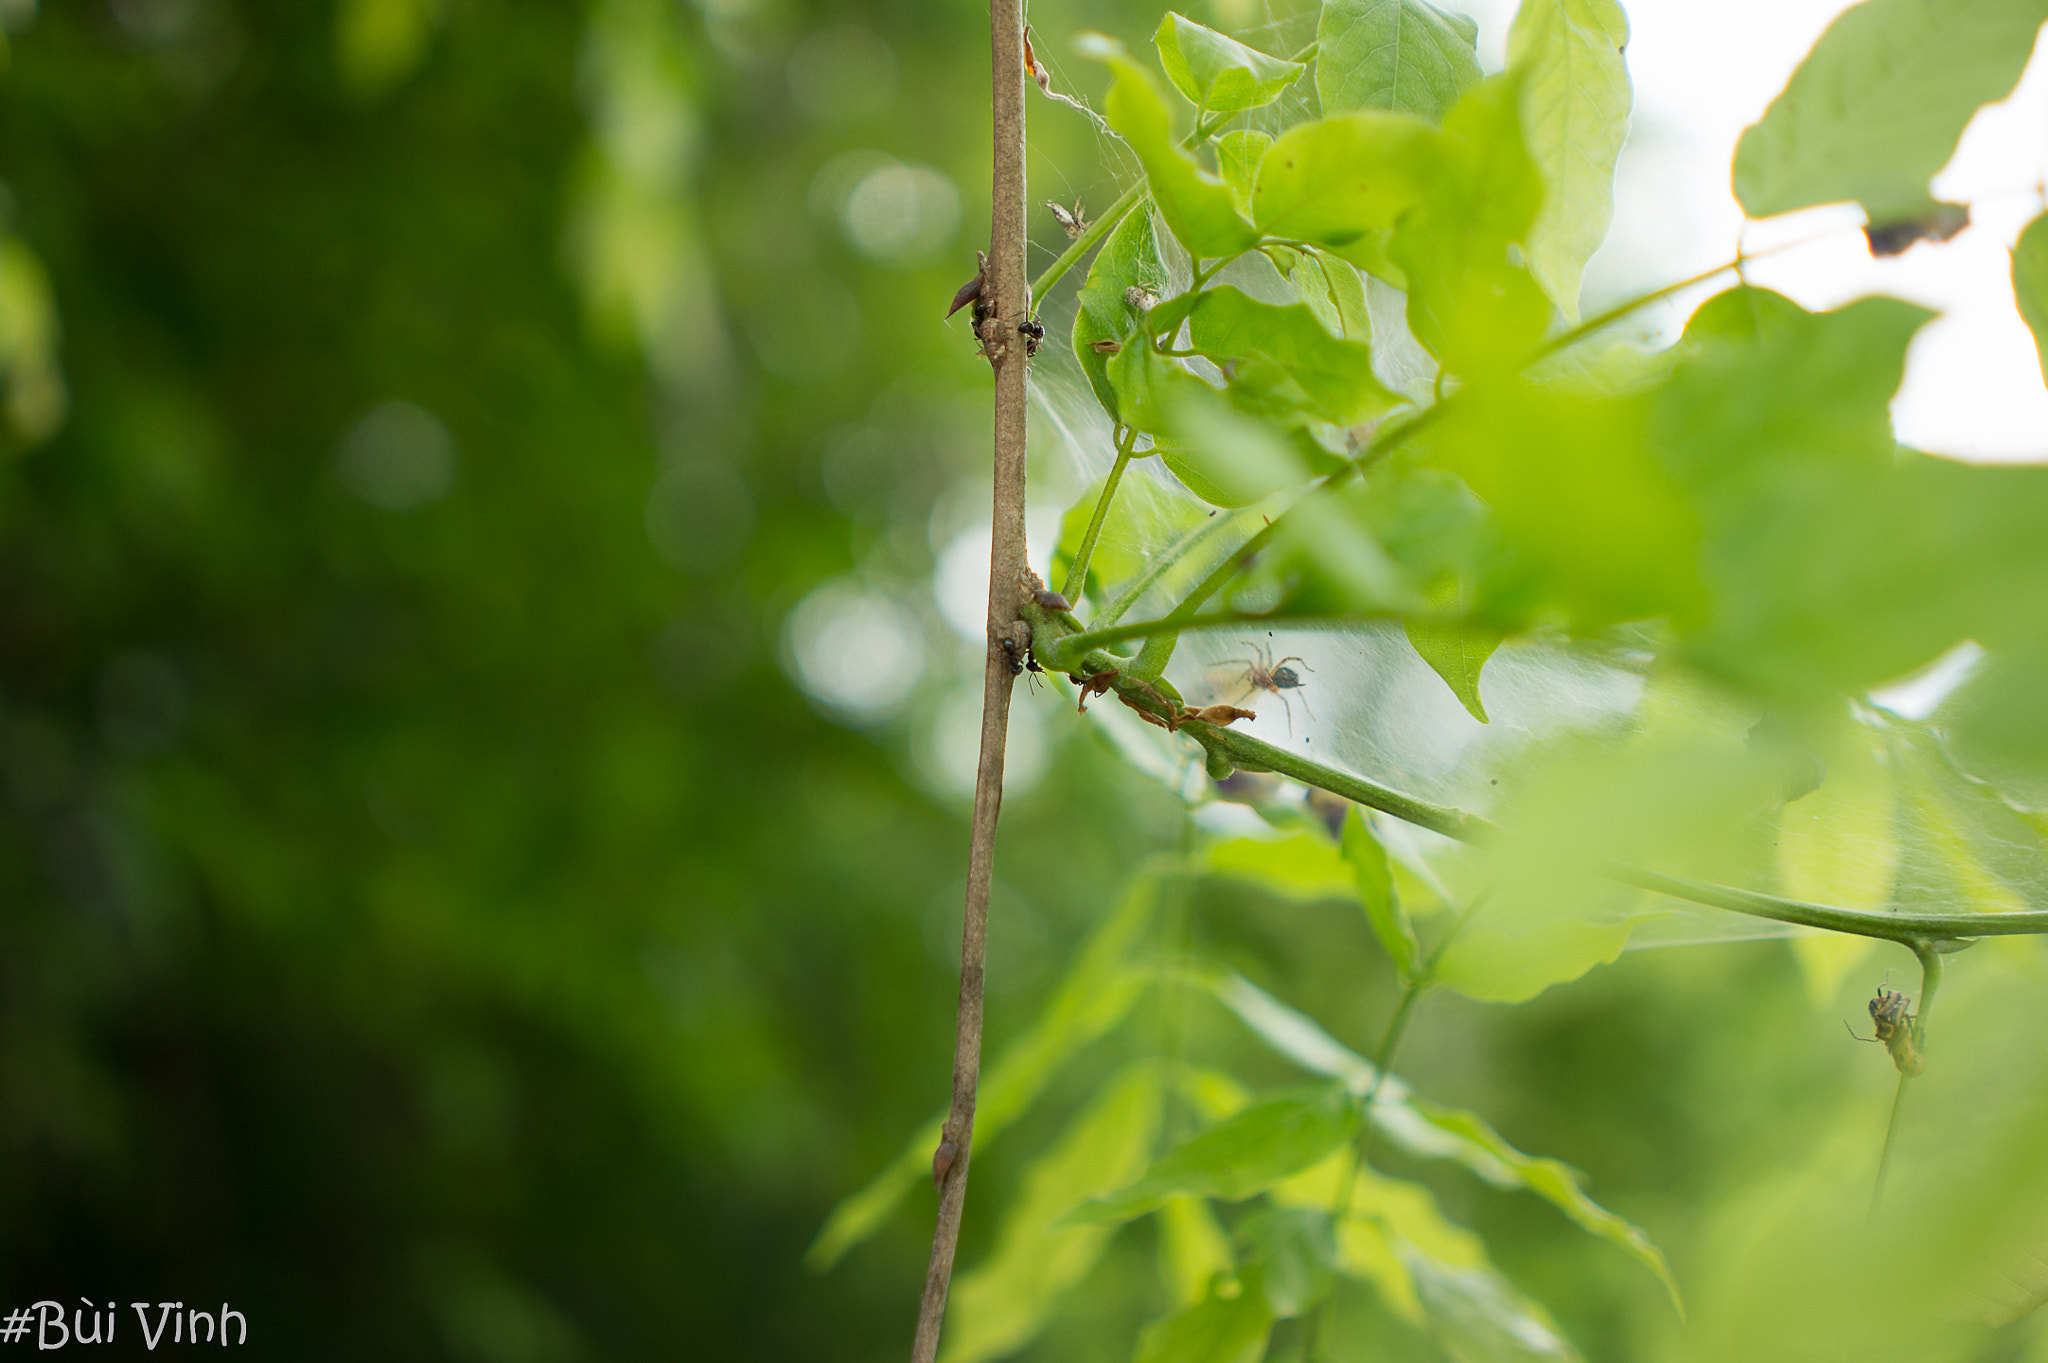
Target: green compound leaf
[1555,1183]
[1456,651]
[1092,999]
[1876,108]
[1238,154]
[1336,375]
[1001,1305]
[1406,55]
[1575,106]
[1240,1156]
[1196,204]
[1219,75]
[1128,260]
[2030,284]
[1230,1325]
[1375,883]
[1469,301]
[1336,180]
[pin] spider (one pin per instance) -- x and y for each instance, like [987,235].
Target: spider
[1261,673]
[1896,1029]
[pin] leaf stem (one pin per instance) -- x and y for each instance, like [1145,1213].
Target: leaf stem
[1930,981]
[1077,573]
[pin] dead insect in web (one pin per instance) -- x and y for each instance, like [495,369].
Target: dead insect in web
[1033,333]
[1897,1029]
[1072,221]
[970,292]
[1261,673]
[1091,686]
[1143,300]
[1105,347]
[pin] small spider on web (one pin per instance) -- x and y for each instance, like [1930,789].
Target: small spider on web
[1262,673]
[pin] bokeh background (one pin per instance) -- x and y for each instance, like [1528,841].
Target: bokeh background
[490,535]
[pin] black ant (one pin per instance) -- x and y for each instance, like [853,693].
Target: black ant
[1021,660]
[1261,673]
[1033,333]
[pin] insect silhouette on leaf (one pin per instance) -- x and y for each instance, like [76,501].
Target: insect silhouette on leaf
[1261,673]
[1897,1030]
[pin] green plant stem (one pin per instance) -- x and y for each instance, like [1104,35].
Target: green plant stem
[1095,638]
[1930,981]
[1077,573]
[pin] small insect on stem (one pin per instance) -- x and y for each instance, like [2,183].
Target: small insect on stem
[1261,673]
[1897,1029]
[1033,332]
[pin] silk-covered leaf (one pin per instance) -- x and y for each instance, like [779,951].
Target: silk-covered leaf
[1471,302]
[1094,997]
[1876,107]
[1195,203]
[1340,178]
[1129,259]
[2030,284]
[1575,108]
[1337,375]
[999,1306]
[1839,844]
[1374,881]
[1219,75]
[1240,1156]
[1149,512]
[1405,55]
[1224,456]
[1238,154]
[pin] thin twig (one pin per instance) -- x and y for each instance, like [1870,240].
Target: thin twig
[1077,572]
[1930,981]
[1004,345]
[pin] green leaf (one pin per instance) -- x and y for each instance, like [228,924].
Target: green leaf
[1001,1304]
[1456,651]
[1226,457]
[1338,179]
[1469,301]
[1239,1156]
[1557,1184]
[1095,995]
[1876,108]
[1375,883]
[1193,1248]
[1219,75]
[1129,259]
[1196,204]
[1502,966]
[1149,512]
[1479,1317]
[1575,107]
[2030,284]
[1294,1251]
[1336,375]
[1303,867]
[1839,844]
[1229,1326]
[1238,154]
[1406,55]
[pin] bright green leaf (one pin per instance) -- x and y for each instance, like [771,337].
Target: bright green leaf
[1129,259]
[1456,651]
[1239,1156]
[1226,457]
[1219,75]
[1876,108]
[1337,375]
[1196,204]
[2030,283]
[1479,1317]
[1375,883]
[1575,107]
[1337,179]
[1499,966]
[1193,1248]
[1000,1305]
[1475,307]
[1095,995]
[1405,55]
[1302,867]
[1294,1251]
[1238,154]
[1839,844]
[1229,1326]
